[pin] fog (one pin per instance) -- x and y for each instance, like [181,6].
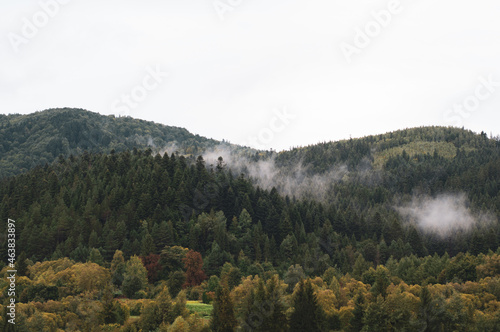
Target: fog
[444,214]
[293,180]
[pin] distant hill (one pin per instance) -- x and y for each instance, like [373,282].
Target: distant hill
[41,137]
[387,214]
[378,149]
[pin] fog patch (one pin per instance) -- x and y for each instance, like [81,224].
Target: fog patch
[294,180]
[444,215]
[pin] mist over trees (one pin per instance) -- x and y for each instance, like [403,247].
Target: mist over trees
[120,237]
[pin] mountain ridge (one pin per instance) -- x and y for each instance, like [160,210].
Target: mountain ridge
[41,137]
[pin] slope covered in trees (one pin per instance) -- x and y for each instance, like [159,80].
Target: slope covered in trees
[41,137]
[123,200]
[404,295]
[145,226]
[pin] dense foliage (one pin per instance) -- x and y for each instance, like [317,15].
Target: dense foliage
[404,295]
[154,229]
[139,203]
[41,137]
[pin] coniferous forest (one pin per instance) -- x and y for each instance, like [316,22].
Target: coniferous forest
[142,231]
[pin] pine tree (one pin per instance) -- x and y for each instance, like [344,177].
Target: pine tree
[108,307]
[307,314]
[21,266]
[273,305]
[96,257]
[382,281]
[148,245]
[356,323]
[223,319]
[93,240]
[376,317]
[165,306]
[135,277]
[117,268]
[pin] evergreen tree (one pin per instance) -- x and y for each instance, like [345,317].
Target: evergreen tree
[382,281]
[356,323]
[223,318]
[21,266]
[376,317]
[135,277]
[307,315]
[148,245]
[264,310]
[95,257]
[117,268]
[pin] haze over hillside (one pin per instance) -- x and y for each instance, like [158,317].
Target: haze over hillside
[329,166]
[403,202]
[41,137]
[412,163]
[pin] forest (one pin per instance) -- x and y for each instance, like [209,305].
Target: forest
[139,239]
[41,137]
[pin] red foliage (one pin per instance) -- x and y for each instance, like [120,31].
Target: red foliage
[194,272]
[152,264]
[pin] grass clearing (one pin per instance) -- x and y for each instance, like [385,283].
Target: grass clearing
[202,309]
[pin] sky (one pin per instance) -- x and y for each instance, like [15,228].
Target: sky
[266,74]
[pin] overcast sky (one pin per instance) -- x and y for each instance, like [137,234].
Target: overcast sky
[267,73]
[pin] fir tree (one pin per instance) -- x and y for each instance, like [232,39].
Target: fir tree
[307,314]
[223,319]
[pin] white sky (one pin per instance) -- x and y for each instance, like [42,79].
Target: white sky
[228,77]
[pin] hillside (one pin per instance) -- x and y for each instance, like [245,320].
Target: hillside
[406,220]
[378,149]
[41,137]
[140,186]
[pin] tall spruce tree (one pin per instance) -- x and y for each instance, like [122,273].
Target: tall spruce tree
[223,319]
[307,314]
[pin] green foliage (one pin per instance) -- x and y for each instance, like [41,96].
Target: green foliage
[117,268]
[95,257]
[113,311]
[264,309]
[202,219]
[135,277]
[138,202]
[382,281]
[41,137]
[258,304]
[223,319]
[376,317]
[40,292]
[21,265]
[175,282]
[307,315]
[294,275]
[202,309]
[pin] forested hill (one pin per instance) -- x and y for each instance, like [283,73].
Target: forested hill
[392,232]
[376,150]
[113,201]
[41,137]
